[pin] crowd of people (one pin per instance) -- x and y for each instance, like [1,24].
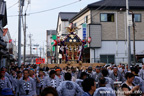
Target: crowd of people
[108,80]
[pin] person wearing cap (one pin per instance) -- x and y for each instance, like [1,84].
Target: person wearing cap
[89,87]
[109,81]
[51,80]
[6,92]
[98,74]
[141,73]
[103,90]
[82,77]
[59,77]
[68,87]
[26,85]
[4,81]
[91,73]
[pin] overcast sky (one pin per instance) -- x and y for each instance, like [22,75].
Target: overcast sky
[38,23]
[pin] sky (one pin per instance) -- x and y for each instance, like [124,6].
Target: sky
[37,24]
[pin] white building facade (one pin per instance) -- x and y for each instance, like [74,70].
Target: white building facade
[106,25]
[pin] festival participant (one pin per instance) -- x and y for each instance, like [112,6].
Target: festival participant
[40,82]
[82,77]
[22,68]
[109,81]
[26,85]
[91,73]
[74,72]
[141,73]
[128,87]
[51,80]
[89,87]
[123,72]
[116,75]
[15,80]
[109,68]
[58,76]
[6,73]
[137,80]
[33,75]
[4,81]
[49,91]
[103,90]
[68,87]
[98,74]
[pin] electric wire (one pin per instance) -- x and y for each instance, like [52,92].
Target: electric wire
[13,5]
[49,9]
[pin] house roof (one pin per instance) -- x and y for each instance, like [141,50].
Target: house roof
[66,16]
[5,30]
[138,4]
[111,5]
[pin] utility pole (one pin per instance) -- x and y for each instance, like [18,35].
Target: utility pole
[30,35]
[47,46]
[24,39]
[43,50]
[19,33]
[134,59]
[40,51]
[128,35]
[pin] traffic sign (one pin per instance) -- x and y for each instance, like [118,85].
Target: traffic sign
[40,61]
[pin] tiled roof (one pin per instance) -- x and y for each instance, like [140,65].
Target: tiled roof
[118,3]
[66,16]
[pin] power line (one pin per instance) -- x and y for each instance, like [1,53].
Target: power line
[13,5]
[55,8]
[48,9]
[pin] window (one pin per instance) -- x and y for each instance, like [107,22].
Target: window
[60,27]
[107,58]
[107,17]
[86,19]
[137,17]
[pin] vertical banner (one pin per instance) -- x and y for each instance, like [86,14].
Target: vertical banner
[84,29]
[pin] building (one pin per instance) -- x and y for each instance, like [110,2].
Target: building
[106,25]
[63,22]
[3,23]
[51,50]
[30,59]
[11,47]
